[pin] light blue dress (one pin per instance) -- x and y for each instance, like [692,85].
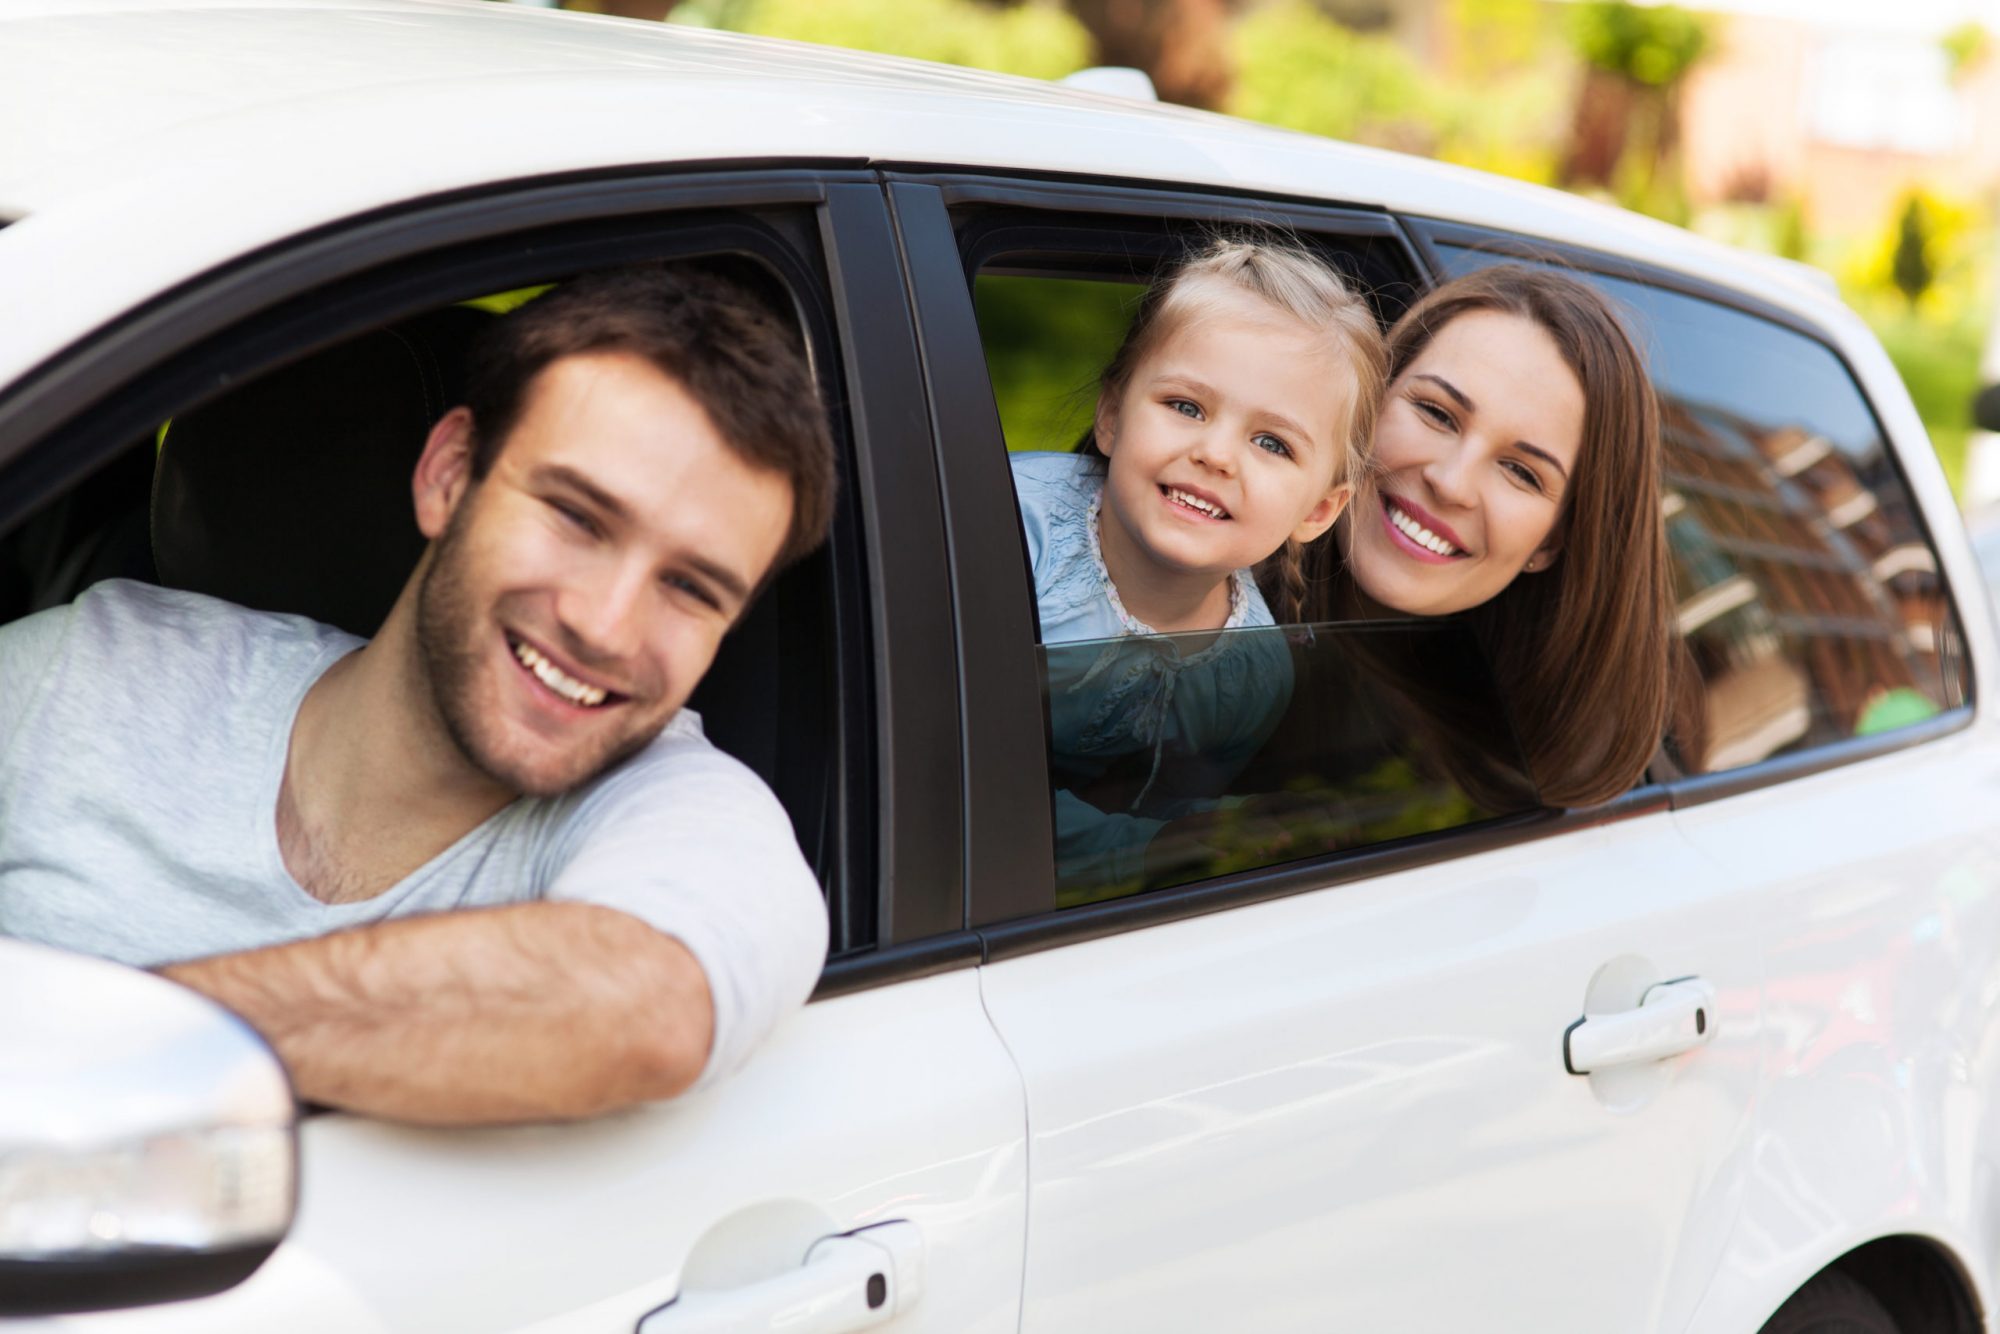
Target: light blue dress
[1163,721]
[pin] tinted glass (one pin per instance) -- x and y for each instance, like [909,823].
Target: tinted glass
[1179,757]
[1807,590]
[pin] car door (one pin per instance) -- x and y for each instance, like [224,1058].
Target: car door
[1841,789]
[869,1162]
[1330,1091]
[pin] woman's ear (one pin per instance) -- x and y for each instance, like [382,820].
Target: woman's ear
[444,471]
[1321,516]
[1543,558]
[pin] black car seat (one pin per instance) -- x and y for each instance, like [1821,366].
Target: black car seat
[293,492]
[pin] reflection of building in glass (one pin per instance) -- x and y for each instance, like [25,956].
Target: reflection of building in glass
[1806,591]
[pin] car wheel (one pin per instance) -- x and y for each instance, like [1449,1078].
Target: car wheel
[1832,1303]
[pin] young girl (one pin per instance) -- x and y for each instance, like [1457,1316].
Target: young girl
[1231,427]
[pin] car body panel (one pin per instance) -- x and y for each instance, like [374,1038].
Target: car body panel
[584,1228]
[1349,1108]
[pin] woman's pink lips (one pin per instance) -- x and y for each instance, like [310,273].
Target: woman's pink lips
[1403,540]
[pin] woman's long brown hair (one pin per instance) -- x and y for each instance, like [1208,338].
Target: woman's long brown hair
[1582,652]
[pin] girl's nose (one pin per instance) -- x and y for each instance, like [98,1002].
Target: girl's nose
[1214,453]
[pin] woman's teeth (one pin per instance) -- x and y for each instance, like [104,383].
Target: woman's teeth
[1419,534]
[1195,503]
[556,679]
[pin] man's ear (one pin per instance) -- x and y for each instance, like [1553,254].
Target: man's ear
[444,472]
[1321,516]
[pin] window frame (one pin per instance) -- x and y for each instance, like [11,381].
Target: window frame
[1689,790]
[1009,839]
[824,233]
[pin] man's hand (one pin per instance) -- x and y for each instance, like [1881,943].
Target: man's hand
[530,1012]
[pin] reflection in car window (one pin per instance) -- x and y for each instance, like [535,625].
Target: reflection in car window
[1388,730]
[1808,594]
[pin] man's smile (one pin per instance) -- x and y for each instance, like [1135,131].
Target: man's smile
[559,682]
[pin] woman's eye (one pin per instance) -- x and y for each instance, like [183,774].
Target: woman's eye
[1523,474]
[1271,444]
[1433,411]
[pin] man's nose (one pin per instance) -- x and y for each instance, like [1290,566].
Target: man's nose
[603,613]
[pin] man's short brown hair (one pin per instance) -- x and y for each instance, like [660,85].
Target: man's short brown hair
[717,338]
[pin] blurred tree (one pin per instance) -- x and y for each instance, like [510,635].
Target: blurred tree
[1300,69]
[1626,128]
[1036,39]
[1181,44]
[624,9]
[1912,267]
[1965,47]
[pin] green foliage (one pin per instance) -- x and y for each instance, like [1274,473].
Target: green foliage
[1911,267]
[1939,363]
[1653,45]
[1046,341]
[1297,68]
[1964,47]
[1037,39]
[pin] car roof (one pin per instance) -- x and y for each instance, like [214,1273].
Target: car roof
[212,127]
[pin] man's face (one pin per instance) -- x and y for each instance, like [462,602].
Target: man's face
[577,593]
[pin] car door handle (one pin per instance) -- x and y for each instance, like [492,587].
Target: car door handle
[856,1280]
[1672,1017]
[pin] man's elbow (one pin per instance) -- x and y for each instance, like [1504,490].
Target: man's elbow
[663,1015]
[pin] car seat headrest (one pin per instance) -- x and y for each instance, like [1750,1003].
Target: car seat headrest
[293,493]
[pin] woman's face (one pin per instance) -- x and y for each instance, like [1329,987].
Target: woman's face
[1474,451]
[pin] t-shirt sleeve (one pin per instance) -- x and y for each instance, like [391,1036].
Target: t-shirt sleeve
[691,841]
[28,651]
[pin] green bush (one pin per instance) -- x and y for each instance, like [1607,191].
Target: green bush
[1039,40]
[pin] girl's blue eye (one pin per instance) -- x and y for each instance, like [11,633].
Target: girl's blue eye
[1184,407]
[1271,444]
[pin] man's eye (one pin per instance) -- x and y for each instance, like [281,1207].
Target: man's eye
[574,517]
[692,588]
[1272,444]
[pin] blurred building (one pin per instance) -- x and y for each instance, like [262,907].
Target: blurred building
[1842,105]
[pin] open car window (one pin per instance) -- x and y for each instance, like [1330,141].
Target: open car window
[1174,759]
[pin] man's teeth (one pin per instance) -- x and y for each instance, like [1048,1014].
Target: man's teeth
[1180,497]
[1419,534]
[552,676]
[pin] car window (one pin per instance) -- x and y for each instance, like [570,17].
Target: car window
[1807,591]
[290,492]
[1176,758]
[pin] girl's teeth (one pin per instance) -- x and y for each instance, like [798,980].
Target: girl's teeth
[1419,534]
[556,679]
[1180,497]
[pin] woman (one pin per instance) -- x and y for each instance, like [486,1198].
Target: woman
[1516,478]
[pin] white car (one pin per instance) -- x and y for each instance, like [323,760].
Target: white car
[1332,1093]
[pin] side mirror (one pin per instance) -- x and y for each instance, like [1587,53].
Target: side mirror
[1986,408]
[148,1138]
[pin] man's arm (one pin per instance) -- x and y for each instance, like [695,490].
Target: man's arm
[528,1012]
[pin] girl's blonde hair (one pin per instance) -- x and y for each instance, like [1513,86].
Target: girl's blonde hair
[1292,280]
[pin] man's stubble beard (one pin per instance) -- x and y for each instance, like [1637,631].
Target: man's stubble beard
[450,633]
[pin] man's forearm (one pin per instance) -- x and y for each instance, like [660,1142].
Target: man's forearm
[522,1013]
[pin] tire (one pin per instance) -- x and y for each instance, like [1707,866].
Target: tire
[1832,1303]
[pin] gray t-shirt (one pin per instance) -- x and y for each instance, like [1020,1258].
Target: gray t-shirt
[143,734]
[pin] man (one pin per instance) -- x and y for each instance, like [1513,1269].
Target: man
[279,815]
